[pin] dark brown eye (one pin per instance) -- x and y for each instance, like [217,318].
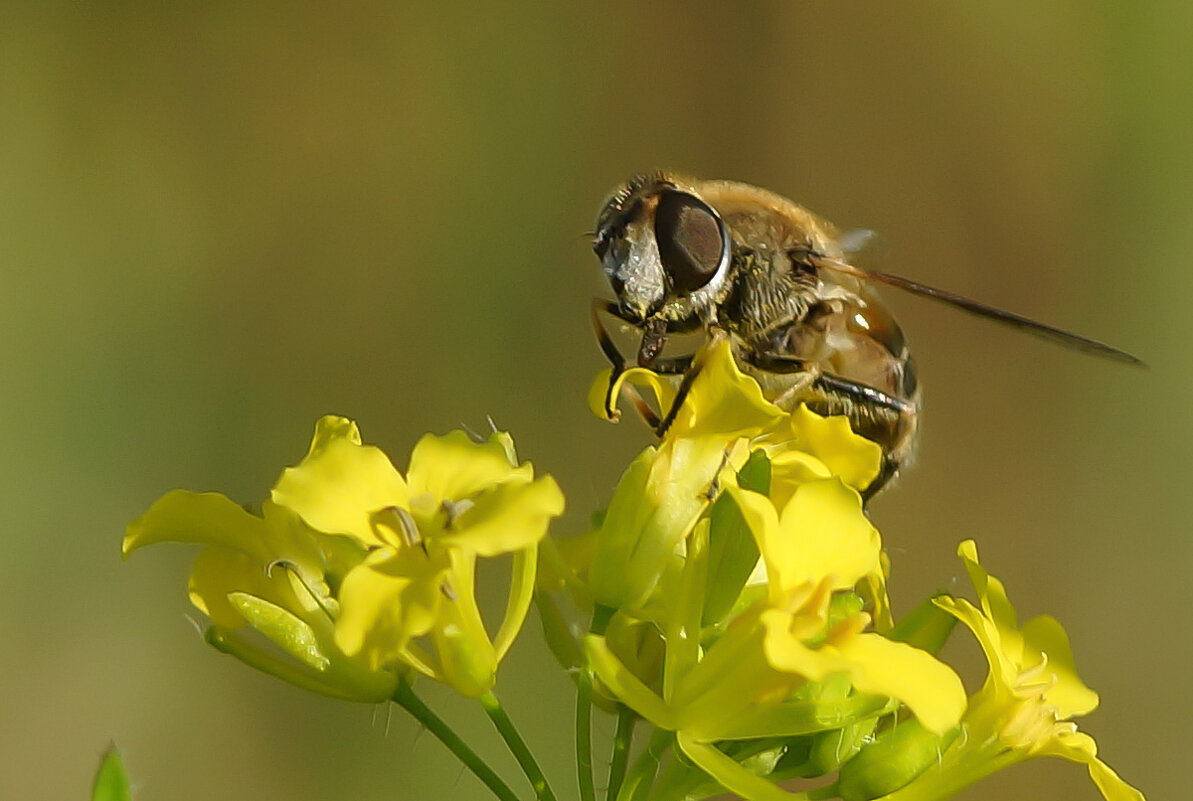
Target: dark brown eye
[690,238]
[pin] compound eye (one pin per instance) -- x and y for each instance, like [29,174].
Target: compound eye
[691,239]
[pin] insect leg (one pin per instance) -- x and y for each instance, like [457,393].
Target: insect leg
[865,408]
[692,368]
[834,384]
[675,365]
[862,393]
[878,416]
[608,346]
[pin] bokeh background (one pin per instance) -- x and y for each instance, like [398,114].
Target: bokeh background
[222,220]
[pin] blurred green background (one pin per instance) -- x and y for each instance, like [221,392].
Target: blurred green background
[222,220]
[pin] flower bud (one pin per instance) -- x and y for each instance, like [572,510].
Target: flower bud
[892,760]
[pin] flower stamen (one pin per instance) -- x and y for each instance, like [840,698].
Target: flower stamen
[325,604]
[400,522]
[454,509]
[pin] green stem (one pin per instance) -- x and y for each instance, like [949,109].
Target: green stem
[626,718]
[681,780]
[584,735]
[404,697]
[517,746]
[601,615]
[642,773]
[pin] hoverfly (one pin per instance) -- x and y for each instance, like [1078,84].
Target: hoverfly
[730,259]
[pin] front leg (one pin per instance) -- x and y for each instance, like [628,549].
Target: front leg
[653,338]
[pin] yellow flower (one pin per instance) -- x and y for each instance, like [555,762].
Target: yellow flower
[807,630]
[1032,689]
[779,658]
[268,573]
[658,500]
[459,500]
[1024,707]
[665,491]
[351,563]
[725,404]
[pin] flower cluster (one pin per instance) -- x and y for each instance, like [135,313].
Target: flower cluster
[739,601]
[359,575]
[734,588]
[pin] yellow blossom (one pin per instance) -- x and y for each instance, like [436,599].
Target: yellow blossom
[1023,708]
[351,564]
[460,499]
[268,573]
[743,684]
[1032,689]
[723,419]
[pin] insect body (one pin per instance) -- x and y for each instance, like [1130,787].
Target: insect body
[685,256]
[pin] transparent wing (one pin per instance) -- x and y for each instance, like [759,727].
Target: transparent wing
[1034,327]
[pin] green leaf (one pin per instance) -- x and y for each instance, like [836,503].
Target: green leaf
[733,551]
[755,473]
[111,782]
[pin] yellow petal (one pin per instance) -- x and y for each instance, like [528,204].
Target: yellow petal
[1109,784]
[210,518]
[852,458]
[722,400]
[507,518]
[929,688]
[603,395]
[220,571]
[1003,670]
[763,521]
[330,428]
[466,654]
[1081,748]
[387,600]
[790,469]
[340,485]
[521,594]
[874,664]
[991,592]
[824,532]
[1044,635]
[454,467]
[600,397]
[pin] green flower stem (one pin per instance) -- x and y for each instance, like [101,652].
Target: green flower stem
[584,735]
[622,739]
[404,697]
[517,746]
[680,780]
[601,616]
[642,773]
